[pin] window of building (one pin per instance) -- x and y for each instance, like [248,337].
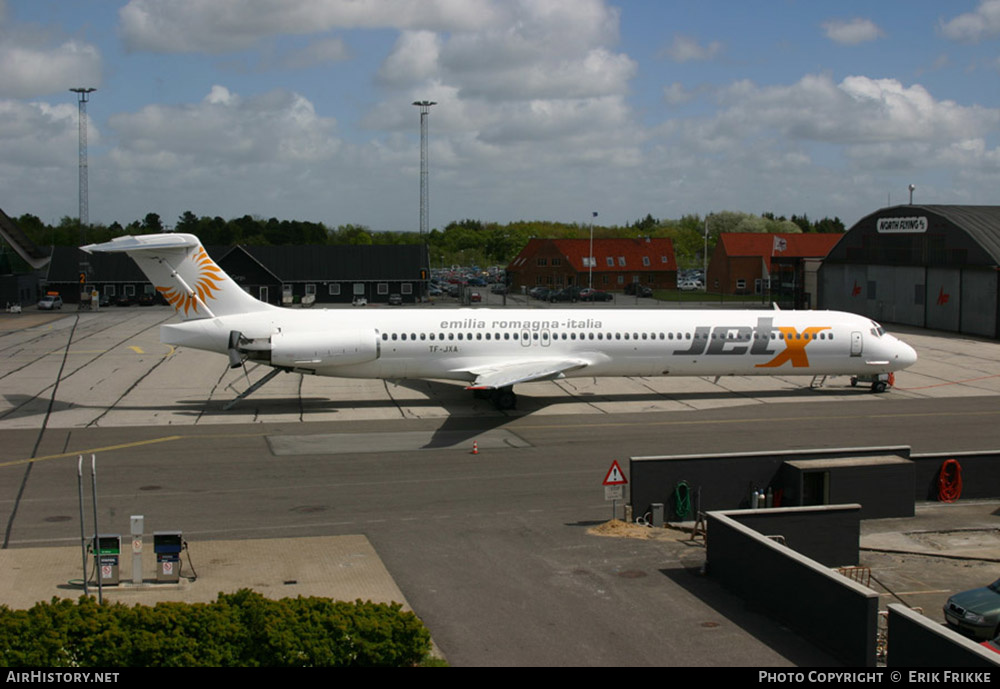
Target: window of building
[334,289]
[129,290]
[611,262]
[543,261]
[645,261]
[310,289]
[359,289]
[741,284]
[383,288]
[621,261]
[406,288]
[557,261]
[109,290]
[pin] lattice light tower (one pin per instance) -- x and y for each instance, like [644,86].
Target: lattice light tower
[83,96]
[425,107]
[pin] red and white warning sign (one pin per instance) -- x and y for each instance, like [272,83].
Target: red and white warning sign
[615,476]
[105,571]
[168,567]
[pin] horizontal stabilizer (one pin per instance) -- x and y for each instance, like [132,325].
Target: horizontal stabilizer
[147,242]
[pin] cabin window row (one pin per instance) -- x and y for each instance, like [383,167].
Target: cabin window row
[593,336]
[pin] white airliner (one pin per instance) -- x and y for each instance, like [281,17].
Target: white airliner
[491,350]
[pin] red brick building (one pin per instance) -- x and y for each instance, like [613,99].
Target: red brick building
[557,263]
[775,265]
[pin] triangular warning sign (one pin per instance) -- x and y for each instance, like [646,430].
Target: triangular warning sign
[615,477]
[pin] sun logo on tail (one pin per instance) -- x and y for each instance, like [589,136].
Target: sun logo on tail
[206,283]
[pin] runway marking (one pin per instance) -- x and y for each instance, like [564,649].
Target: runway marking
[137,350]
[95,450]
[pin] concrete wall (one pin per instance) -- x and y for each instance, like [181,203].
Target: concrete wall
[980,474]
[829,609]
[882,484]
[917,641]
[828,534]
[726,480]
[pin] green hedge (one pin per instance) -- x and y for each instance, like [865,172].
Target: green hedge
[243,629]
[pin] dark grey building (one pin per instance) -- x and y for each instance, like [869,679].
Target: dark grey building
[275,274]
[330,274]
[929,266]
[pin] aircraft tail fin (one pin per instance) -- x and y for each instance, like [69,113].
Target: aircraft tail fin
[183,272]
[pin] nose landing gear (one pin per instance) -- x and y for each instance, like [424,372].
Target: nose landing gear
[880,382]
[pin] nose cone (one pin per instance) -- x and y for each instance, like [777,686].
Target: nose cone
[905,355]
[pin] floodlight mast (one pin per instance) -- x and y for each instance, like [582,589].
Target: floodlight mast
[83,96]
[425,106]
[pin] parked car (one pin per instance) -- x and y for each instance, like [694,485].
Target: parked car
[475,298]
[634,288]
[976,612]
[687,285]
[395,299]
[50,302]
[571,293]
[359,301]
[589,294]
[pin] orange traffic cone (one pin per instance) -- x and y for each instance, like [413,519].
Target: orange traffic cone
[475,447]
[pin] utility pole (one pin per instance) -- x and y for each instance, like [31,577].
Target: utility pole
[425,106]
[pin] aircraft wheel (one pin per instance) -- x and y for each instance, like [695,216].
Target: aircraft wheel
[878,386]
[504,399]
[854,381]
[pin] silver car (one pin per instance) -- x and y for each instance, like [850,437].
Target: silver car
[50,302]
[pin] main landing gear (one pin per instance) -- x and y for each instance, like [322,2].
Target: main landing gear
[502,398]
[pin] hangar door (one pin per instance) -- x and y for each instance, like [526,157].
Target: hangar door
[944,298]
[979,302]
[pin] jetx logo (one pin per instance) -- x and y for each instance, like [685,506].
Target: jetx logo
[727,340]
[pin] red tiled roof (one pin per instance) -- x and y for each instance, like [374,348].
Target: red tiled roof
[657,252]
[779,245]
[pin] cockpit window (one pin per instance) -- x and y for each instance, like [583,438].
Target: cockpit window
[877,330]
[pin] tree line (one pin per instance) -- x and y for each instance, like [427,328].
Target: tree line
[463,242]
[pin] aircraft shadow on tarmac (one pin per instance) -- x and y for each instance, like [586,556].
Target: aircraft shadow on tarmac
[453,398]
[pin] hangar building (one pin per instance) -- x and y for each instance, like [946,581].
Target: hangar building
[929,266]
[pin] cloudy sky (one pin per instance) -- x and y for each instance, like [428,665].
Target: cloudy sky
[547,109]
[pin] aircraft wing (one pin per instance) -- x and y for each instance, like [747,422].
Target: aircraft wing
[503,375]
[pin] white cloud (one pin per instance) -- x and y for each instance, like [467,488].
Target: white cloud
[319,52]
[39,135]
[676,94]
[972,27]
[29,70]
[414,58]
[857,110]
[219,26]
[688,49]
[852,32]
[225,130]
